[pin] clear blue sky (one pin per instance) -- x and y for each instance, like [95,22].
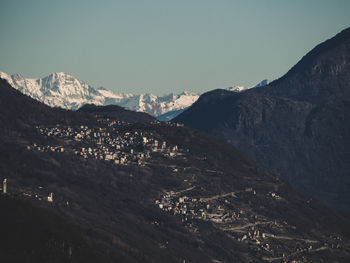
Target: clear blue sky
[163,46]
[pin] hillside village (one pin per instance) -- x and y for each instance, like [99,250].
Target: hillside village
[110,141]
[114,142]
[262,234]
[107,142]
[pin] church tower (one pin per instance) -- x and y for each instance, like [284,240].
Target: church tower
[4,186]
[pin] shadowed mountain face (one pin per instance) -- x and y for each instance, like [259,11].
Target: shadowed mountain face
[157,192]
[297,126]
[117,112]
[19,112]
[31,234]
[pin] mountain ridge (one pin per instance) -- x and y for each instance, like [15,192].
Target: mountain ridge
[63,90]
[296,126]
[117,112]
[193,198]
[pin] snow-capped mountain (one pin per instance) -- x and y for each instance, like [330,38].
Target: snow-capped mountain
[56,90]
[262,83]
[242,88]
[66,91]
[237,88]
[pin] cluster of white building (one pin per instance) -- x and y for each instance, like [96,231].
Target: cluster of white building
[241,225]
[109,142]
[208,209]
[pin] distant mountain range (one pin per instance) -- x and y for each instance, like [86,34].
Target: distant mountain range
[66,91]
[297,126]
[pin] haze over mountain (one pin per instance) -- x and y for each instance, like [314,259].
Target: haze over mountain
[33,235]
[297,126]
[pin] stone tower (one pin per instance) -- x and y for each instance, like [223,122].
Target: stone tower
[50,198]
[4,186]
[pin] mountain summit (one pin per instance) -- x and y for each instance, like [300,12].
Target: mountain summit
[63,90]
[66,91]
[297,126]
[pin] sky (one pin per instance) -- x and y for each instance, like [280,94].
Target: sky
[163,46]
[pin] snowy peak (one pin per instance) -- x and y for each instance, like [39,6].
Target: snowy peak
[58,89]
[63,90]
[262,83]
[242,88]
[237,88]
[66,85]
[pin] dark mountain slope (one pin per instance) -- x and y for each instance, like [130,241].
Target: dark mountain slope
[117,112]
[320,76]
[297,126]
[197,199]
[22,112]
[31,234]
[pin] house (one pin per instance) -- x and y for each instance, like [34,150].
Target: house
[108,157]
